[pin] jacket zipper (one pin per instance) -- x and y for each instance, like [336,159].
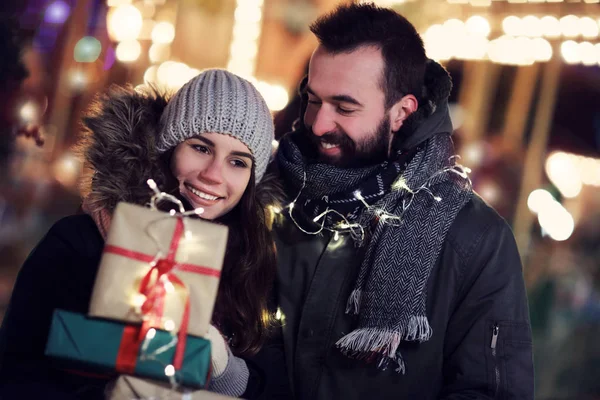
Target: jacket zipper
[495,332]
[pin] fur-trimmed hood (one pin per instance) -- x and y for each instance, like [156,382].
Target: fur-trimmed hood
[118,148]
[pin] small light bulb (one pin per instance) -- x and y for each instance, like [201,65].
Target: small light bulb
[172,212]
[151,334]
[169,370]
[336,236]
[169,325]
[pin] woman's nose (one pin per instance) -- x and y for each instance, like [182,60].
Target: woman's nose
[213,173]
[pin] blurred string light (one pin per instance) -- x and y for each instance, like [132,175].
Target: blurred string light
[124,22]
[170,74]
[128,50]
[585,53]
[29,112]
[569,172]
[243,51]
[159,52]
[67,170]
[163,33]
[553,218]
[57,12]
[524,41]
[569,26]
[247,29]
[469,41]
[87,49]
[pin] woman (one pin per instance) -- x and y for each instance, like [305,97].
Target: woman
[209,145]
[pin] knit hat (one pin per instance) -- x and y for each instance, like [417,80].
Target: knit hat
[217,101]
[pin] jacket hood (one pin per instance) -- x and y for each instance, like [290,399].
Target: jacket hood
[118,148]
[433,116]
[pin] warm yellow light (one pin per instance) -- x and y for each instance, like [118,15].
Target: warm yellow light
[275,96]
[569,26]
[542,49]
[570,52]
[115,3]
[159,52]
[124,23]
[454,26]
[163,71]
[150,75]
[478,25]
[538,199]
[163,32]
[531,26]
[511,25]
[128,50]
[550,26]
[29,112]
[588,28]
[248,13]
[564,174]
[587,53]
[147,9]
[556,221]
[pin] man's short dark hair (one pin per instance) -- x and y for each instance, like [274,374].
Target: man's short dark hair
[352,26]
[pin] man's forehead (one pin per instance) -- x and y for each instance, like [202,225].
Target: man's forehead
[356,74]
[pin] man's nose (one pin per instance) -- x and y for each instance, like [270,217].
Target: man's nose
[323,122]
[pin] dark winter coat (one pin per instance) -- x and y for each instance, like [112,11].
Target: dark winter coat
[481,346]
[60,272]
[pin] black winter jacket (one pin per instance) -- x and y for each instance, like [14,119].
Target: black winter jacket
[476,304]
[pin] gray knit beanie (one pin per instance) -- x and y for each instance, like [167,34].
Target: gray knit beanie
[217,101]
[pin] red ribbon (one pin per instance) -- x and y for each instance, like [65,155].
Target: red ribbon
[153,307]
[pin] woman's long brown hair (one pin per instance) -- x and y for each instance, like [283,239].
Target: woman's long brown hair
[242,305]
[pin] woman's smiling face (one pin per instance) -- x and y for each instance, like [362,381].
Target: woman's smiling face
[213,171]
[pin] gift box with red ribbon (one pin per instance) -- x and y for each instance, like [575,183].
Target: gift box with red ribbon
[84,344]
[159,269]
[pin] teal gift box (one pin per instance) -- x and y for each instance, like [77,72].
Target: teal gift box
[94,345]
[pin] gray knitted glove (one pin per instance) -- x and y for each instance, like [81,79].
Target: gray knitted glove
[229,373]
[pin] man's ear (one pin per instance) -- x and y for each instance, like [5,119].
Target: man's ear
[401,110]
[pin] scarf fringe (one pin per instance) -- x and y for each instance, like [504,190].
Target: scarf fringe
[418,329]
[378,345]
[354,301]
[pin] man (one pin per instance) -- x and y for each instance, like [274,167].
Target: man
[395,280]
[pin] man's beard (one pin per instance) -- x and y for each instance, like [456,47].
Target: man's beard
[372,150]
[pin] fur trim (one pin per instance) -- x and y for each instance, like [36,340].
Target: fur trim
[118,147]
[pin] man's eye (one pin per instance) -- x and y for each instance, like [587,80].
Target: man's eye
[313,101]
[345,110]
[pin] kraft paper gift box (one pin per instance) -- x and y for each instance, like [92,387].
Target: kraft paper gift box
[192,247]
[103,346]
[132,388]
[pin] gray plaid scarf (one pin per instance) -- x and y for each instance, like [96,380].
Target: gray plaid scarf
[426,193]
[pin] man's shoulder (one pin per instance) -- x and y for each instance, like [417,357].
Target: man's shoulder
[474,225]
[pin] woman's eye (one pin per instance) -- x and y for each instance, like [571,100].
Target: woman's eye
[239,164]
[201,148]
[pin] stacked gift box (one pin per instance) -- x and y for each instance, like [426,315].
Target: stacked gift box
[151,304]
